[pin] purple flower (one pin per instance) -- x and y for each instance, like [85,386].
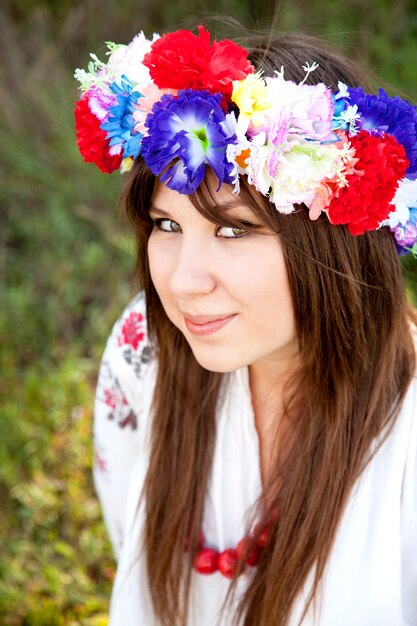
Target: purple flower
[406,236]
[186,133]
[100,101]
[397,117]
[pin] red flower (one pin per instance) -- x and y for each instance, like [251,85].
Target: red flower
[365,202]
[132,331]
[182,60]
[91,139]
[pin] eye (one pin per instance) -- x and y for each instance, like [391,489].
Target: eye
[167,226]
[229,232]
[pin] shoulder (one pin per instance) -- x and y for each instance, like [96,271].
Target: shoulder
[409,410]
[129,339]
[126,365]
[121,413]
[409,507]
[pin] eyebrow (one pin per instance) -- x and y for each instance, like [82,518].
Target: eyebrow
[226,206]
[157,210]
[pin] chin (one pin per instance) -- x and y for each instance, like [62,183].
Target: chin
[217,367]
[222,363]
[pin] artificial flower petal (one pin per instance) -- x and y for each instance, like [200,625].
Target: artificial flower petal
[187,104]
[182,60]
[405,199]
[188,128]
[366,201]
[120,124]
[91,139]
[393,116]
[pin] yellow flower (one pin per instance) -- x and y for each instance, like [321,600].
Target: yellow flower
[252,97]
[127,164]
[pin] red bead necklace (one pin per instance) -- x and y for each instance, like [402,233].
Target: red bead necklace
[209,561]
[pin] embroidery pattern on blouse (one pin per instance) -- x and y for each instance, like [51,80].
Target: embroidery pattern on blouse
[111,395]
[131,337]
[100,461]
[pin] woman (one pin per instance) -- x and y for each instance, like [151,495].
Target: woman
[255,428]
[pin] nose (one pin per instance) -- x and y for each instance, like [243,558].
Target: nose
[193,271]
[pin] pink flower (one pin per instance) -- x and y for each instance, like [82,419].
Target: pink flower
[309,107]
[150,95]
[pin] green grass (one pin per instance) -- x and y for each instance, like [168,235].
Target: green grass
[65,268]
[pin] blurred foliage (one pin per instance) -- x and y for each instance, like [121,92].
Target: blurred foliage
[66,263]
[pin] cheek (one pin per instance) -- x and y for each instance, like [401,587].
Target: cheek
[159,264]
[272,295]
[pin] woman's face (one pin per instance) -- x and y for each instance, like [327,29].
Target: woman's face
[226,289]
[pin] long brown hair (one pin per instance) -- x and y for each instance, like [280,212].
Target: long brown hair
[352,322]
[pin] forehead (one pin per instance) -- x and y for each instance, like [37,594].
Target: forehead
[213,200]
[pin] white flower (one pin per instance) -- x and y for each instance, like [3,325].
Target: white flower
[310,107]
[280,73]
[350,115]
[308,69]
[405,199]
[343,91]
[123,60]
[294,177]
[131,63]
[233,149]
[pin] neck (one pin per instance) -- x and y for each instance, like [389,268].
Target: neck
[268,384]
[269,377]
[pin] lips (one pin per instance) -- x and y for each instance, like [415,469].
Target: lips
[204,319]
[206,324]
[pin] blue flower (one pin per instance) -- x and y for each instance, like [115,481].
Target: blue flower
[397,117]
[339,105]
[186,133]
[120,124]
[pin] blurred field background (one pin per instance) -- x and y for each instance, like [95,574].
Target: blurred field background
[66,264]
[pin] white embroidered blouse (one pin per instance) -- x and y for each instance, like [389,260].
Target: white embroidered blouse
[371,577]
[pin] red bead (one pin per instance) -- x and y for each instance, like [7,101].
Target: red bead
[242,549]
[275,513]
[253,558]
[248,552]
[264,536]
[205,561]
[227,562]
[200,543]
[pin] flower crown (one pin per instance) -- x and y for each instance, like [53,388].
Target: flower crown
[184,103]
